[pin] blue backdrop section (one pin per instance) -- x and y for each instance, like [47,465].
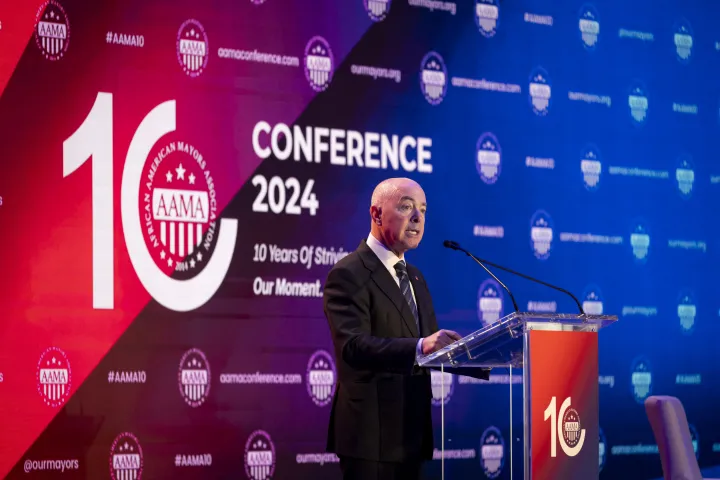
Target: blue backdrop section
[597,125]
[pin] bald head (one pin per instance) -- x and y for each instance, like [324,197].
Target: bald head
[388,188]
[397,210]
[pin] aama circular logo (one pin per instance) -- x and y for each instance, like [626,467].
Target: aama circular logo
[259,456]
[433,78]
[320,378]
[490,302]
[488,160]
[591,166]
[589,25]
[641,379]
[54,377]
[685,175]
[487,15]
[571,427]
[52,30]
[442,386]
[541,234]
[492,452]
[639,103]
[179,207]
[540,91]
[192,47]
[687,310]
[377,10]
[683,40]
[592,300]
[640,241]
[194,377]
[126,457]
[319,63]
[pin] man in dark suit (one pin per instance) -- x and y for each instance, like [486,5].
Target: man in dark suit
[381,319]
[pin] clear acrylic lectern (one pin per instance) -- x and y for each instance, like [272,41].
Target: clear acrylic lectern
[550,362]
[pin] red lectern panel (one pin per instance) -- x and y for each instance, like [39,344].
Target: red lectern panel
[564,396]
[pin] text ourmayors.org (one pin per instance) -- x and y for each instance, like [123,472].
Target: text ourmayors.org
[312,144]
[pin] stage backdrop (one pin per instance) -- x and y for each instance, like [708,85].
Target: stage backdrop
[177,178]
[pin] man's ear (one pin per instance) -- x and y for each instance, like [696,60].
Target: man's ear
[376,214]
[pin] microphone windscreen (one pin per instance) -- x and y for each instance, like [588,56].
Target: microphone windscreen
[450,244]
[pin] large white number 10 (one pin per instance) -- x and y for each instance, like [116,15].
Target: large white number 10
[94,139]
[556,420]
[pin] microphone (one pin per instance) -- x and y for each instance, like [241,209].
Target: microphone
[456,246]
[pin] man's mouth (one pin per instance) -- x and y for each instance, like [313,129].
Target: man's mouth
[412,232]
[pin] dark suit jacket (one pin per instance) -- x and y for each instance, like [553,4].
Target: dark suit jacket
[381,407]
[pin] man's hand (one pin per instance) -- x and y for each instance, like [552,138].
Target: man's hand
[438,340]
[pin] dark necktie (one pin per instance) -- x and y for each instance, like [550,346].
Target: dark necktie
[402,274]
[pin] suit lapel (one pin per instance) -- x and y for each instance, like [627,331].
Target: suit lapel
[386,283]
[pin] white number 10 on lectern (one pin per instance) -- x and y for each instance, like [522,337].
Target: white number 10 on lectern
[556,429]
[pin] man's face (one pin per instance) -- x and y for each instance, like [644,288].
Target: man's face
[403,218]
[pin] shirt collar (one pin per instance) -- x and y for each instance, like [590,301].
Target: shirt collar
[386,256]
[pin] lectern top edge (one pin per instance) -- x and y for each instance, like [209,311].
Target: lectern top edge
[500,343]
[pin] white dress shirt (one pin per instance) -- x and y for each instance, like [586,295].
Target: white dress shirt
[389,259]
